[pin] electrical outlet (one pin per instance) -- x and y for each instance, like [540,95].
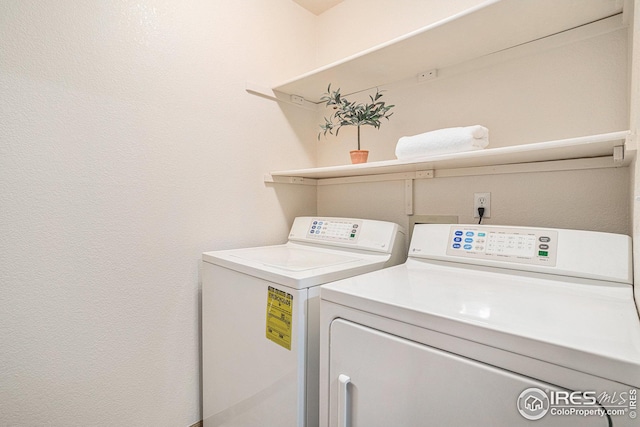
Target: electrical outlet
[482,200]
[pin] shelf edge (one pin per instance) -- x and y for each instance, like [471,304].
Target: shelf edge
[481,157]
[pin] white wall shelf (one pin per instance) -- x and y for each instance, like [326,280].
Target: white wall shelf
[593,151]
[492,26]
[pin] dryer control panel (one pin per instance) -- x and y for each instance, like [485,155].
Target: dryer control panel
[522,245]
[577,253]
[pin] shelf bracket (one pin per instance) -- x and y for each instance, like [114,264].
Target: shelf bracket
[273,95]
[270,179]
[424,174]
[408,196]
[618,155]
[631,141]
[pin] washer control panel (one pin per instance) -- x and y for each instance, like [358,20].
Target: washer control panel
[337,230]
[519,245]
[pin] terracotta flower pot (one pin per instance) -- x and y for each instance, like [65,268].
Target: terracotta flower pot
[359,156]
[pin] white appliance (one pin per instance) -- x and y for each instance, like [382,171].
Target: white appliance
[260,318]
[485,326]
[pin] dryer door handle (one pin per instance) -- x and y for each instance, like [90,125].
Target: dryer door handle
[343,400]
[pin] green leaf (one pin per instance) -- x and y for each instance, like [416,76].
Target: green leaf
[347,113]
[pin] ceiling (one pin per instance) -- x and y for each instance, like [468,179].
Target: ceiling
[317,6]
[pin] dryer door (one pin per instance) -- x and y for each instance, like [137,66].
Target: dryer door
[381,380]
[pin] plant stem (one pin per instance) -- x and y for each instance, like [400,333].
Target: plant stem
[358,137]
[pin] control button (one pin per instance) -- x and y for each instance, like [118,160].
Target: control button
[468,247]
[354,230]
[479,240]
[479,248]
[468,239]
[457,239]
[469,233]
[482,234]
[355,225]
[543,253]
[545,239]
[315,222]
[458,233]
[456,246]
[543,246]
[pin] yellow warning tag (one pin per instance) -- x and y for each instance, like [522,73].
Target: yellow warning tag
[279,317]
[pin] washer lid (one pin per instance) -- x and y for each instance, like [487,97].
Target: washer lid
[292,259]
[575,323]
[297,265]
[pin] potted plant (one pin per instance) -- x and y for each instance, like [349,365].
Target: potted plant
[347,113]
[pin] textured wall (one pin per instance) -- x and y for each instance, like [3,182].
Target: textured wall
[355,25]
[128,146]
[588,200]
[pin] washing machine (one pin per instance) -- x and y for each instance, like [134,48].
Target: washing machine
[260,317]
[485,326]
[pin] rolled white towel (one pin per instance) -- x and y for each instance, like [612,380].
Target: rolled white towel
[442,141]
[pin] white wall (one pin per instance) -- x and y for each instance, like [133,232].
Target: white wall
[553,89]
[128,146]
[355,25]
[588,200]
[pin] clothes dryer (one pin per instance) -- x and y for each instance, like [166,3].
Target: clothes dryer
[485,325]
[260,318]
